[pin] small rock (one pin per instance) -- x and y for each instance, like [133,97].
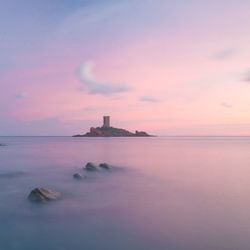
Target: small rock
[78,176]
[43,194]
[10,173]
[105,166]
[91,167]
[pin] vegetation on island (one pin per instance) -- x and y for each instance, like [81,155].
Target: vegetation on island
[112,132]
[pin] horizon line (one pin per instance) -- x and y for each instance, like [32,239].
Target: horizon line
[123,136]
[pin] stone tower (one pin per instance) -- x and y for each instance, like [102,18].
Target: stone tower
[106,121]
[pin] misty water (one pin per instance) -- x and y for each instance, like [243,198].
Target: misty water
[166,193]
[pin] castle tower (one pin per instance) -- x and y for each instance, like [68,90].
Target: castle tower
[106,121]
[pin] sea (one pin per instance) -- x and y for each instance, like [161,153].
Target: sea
[163,193]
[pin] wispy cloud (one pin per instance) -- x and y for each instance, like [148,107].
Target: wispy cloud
[226,54]
[21,95]
[247,76]
[148,99]
[95,86]
[94,13]
[89,108]
[226,105]
[89,17]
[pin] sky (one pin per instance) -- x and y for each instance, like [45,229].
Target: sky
[168,67]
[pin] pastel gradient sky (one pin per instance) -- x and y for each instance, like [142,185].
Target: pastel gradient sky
[170,67]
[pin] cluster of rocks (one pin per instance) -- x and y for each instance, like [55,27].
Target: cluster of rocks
[43,194]
[92,167]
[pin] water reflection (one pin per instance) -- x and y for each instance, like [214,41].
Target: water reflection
[168,193]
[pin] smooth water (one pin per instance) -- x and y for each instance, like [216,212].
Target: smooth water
[167,193]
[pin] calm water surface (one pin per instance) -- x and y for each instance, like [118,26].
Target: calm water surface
[168,193]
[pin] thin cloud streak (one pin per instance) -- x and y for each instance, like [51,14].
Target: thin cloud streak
[226,105]
[21,95]
[148,99]
[247,76]
[226,54]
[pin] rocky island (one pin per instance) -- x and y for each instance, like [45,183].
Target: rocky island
[107,131]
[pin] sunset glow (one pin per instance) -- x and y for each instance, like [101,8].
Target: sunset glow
[167,67]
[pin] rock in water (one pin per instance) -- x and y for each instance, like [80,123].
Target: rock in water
[10,173]
[78,176]
[91,167]
[43,194]
[105,166]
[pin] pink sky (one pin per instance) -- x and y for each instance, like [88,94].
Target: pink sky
[160,67]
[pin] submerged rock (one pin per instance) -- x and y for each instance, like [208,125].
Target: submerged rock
[10,174]
[105,166]
[43,194]
[91,167]
[78,176]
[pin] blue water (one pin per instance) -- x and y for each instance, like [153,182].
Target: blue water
[167,193]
